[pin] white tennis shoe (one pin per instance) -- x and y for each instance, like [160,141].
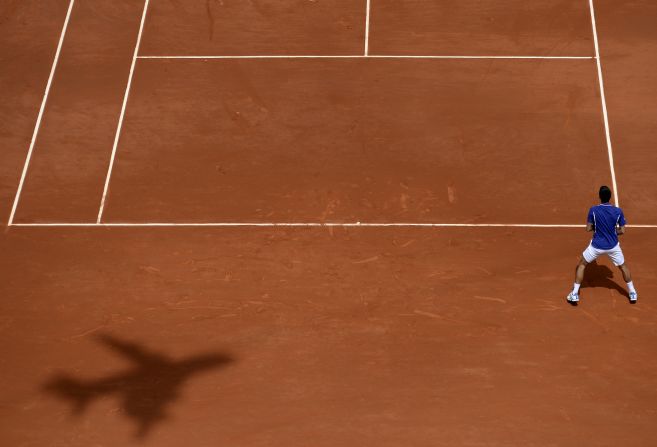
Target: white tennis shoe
[573,298]
[633,297]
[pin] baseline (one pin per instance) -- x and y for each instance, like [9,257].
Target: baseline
[312,224]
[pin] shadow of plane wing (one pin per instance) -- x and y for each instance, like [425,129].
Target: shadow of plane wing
[133,351]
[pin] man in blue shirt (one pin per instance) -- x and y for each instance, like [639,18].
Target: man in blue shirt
[607,222]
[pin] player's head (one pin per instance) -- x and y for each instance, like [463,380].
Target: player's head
[604,194]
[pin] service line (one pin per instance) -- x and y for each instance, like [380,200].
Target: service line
[40,115]
[368,56]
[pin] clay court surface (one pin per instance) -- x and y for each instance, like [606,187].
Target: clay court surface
[182,262]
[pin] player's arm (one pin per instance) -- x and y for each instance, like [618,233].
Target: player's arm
[590,221]
[620,227]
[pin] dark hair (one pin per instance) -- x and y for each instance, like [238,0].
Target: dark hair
[605,194]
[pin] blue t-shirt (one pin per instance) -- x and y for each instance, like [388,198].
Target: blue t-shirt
[605,218]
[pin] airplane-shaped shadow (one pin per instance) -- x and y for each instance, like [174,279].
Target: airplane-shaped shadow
[145,389]
[597,275]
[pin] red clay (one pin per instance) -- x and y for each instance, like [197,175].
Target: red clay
[629,56]
[70,161]
[482,27]
[29,30]
[360,337]
[240,27]
[323,337]
[359,140]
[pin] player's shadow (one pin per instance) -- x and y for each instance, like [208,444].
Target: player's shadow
[145,389]
[597,275]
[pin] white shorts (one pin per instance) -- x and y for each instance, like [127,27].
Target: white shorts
[615,254]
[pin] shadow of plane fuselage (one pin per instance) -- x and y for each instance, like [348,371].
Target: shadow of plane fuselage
[145,389]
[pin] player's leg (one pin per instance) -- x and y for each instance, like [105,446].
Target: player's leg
[573,296]
[627,276]
[625,270]
[579,272]
[589,255]
[617,257]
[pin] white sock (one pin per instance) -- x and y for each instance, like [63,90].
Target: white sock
[576,288]
[630,286]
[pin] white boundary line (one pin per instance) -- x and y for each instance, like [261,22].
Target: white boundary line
[123,107]
[300,224]
[367,29]
[367,56]
[603,100]
[40,115]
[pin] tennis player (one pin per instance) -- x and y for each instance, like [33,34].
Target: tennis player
[607,222]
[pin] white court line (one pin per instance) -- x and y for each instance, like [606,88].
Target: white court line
[40,115]
[304,225]
[300,224]
[367,29]
[123,106]
[603,100]
[369,56]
